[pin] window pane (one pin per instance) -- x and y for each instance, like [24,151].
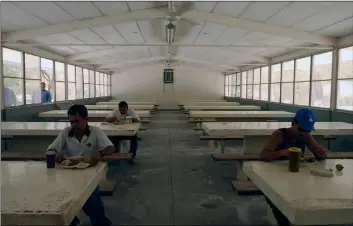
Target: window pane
[91,91]
[238,79]
[257,76]
[71,94]
[109,79]
[234,80]
[47,72]
[276,73]
[101,82]
[226,91]
[33,93]
[12,63]
[79,85]
[32,66]
[243,78]
[345,94]
[97,78]
[301,93]
[287,93]
[249,91]
[321,94]
[85,76]
[91,77]
[322,66]
[243,91]
[60,91]
[345,64]
[264,74]
[264,92]
[86,91]
[106,91]
[250,77]
[71,73]
[238,92]
[233,91]
[256,92]
[98,91]
[13,91]
[288,71]
[275,92]
[59,72]
[302,69]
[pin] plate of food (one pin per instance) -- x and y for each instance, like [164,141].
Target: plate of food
[77,162]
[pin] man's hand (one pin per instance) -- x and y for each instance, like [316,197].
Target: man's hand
[321,152]
[96,157]
[59,158]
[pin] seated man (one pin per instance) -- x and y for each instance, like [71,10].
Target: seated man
[118,114]
[89,141]
[298,135]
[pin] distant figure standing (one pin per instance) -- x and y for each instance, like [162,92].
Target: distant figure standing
[46,96]
[9,97]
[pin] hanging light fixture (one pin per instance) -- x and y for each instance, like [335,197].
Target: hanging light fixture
[170,32]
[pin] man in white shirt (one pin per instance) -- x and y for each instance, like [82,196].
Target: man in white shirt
[119,114]
[89,141]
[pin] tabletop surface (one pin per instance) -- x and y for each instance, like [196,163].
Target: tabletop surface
[299,193]
[222,103]
[54,128]
[28,187]
[128,102]
[242,113]
[111,106]
[61,125]
[267,128]
[91,113]
[226,107]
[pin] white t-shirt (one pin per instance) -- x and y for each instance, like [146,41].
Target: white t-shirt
[130,112]
[93,141]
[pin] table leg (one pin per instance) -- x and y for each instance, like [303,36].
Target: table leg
[253,145]
[220,147]
[241,176]
[270,217]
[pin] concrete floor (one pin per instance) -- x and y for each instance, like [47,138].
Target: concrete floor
[176,182]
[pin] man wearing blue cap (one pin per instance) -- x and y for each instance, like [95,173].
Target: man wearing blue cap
[298,135]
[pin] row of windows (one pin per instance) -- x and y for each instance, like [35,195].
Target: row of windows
[24,73]
[306,81]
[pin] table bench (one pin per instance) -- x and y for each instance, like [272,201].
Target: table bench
[245,187]
[107,187]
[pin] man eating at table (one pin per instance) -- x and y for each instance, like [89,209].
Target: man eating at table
[120,114]
[80,139]
[298,135]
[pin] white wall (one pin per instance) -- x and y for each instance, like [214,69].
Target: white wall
[146,83]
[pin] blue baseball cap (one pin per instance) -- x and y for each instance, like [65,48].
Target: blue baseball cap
[306,119]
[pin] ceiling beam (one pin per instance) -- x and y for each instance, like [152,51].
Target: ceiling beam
[173,45]
[260,27]
[66,27]
[346,40]
[122,64]
[37,51]
[95,54]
